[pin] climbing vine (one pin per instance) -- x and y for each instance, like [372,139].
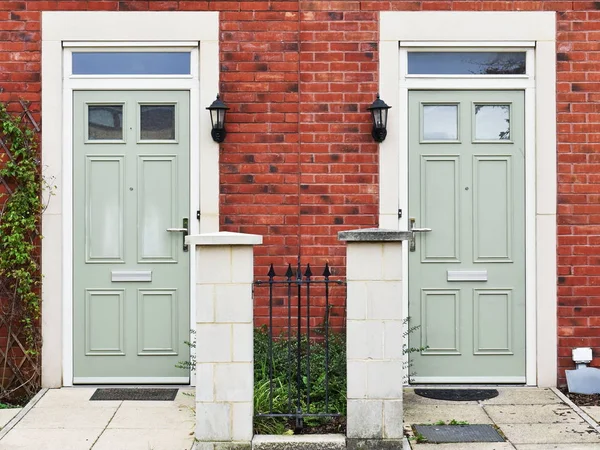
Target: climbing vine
[21,206]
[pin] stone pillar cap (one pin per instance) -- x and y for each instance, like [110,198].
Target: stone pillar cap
[224,238]
[374,235]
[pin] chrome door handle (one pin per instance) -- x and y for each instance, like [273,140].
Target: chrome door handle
[412,242]
[184,229]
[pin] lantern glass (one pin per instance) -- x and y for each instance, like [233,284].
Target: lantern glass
[379,118]
[219,118]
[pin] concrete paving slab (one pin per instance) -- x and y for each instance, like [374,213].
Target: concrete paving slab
[592,411]
[50,439]
[523,396]
[139,439]
[430,414]
[72,418]
[300,442]
[155,404]
[153,417]
[559,433]
[411,397]
[186,397]
[465,446]
[7,414]
[72,397]
[554,413]
[557,446]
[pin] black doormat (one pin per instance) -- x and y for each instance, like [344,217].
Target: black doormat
[165,395]
[458,395]
[439,434]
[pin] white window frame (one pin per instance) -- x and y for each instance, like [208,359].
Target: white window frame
[535,33]
[62,34]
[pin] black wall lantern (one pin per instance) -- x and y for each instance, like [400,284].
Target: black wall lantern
[379,114]
[217,117]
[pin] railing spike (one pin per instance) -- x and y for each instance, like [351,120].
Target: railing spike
[289,272]
[326,272]
[308,272]
[271,273]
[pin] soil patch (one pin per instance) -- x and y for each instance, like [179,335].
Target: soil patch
[581,399]
[331,426]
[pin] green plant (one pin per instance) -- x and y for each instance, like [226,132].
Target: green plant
[191,363]
[419,438]
[452,422]
[287,395]
[406,350]
[19,221]
[21,207]
[283,365]
[458,422]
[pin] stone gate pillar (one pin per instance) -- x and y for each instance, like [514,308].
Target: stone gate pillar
[374,338]
[224,339]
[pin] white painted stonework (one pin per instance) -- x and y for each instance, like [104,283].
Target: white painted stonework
[374,340]
[534,32]
[224,338]
[62,31]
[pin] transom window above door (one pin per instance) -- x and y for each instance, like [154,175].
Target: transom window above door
[131,63]
[466,62]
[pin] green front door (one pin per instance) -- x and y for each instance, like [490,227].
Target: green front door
[467,275]
[130,275]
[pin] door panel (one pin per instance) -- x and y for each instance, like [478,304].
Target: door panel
[157,199]
[467,276]
[104,209]
[440,203]
[131,277]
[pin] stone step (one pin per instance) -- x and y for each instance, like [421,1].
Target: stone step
[299,442]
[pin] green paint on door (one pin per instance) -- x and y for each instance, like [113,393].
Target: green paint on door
[131,277]
[467,276]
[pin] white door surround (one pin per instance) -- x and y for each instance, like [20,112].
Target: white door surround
[534,32]
[63,33]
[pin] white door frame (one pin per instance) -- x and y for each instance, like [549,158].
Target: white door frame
[485,30]
[63,33]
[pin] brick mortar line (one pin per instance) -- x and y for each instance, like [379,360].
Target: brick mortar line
[591,422]
[28,407]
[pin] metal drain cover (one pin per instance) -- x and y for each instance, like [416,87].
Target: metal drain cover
[439,434]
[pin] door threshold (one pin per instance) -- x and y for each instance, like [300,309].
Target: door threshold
[466,385]
[143,381]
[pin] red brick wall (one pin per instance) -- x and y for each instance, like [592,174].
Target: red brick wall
[299,164]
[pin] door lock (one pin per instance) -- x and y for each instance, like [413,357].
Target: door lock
[184,229]
[412,243]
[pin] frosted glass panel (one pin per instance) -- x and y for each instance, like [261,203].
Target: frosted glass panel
[131,63]
[492,122]
[105,122]
[466,63]
[157,122]
[440,122]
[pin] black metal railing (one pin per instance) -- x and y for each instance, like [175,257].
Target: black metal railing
[297,349]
